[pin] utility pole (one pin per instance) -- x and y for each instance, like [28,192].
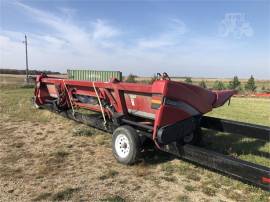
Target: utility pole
[26,59]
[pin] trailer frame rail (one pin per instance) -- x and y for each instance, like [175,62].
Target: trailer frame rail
[244,171]
[236,127]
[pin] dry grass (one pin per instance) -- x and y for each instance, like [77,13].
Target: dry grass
[44,157]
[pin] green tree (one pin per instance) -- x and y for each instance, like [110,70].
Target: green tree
[131,78]
[250,85]
[203,84]
[218,85]
[235,84]
[188,80]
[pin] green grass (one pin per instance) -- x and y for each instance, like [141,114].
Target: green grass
[249,149]
[190,188]
[16,103]
[84,130]
[208,191]
[63,195]
[250,110]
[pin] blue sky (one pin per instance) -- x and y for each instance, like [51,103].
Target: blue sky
[183,38]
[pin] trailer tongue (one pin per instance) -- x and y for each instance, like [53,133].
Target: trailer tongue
[168,112]
[243,170]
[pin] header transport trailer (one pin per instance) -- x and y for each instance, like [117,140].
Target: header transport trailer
[169,113]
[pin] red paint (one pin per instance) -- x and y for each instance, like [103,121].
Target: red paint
[133,96]
[266,180]
[262,94]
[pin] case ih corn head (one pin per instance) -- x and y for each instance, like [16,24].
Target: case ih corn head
[169,113]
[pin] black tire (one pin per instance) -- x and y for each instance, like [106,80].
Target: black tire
[194,138]
[128,134]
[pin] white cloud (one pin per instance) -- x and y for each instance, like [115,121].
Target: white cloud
[10,52]
[63,28]
[104,31]
[171,37]
[235,24]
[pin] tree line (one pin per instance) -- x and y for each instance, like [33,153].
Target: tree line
[23,72]
[234,84]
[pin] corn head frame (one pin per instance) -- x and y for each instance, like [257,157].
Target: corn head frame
[168,113]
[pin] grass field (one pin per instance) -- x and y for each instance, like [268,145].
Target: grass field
[46,157]
[250,110]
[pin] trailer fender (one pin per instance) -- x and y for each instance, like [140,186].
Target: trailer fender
[177,131]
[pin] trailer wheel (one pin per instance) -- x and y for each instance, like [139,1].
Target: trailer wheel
[194,137]
[126,145]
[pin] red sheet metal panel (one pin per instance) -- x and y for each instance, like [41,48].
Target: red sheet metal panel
[164,102]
